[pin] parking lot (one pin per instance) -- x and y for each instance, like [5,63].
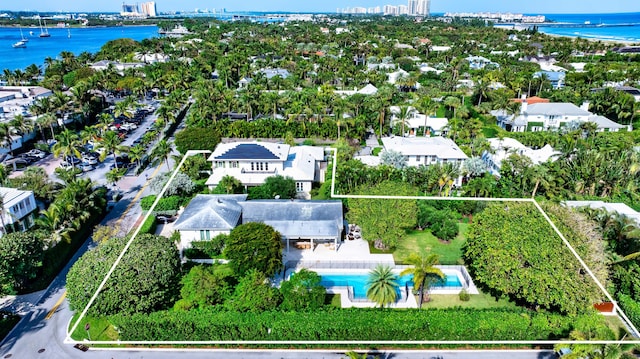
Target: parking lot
[92,167]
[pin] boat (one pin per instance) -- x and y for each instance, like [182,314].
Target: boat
[19,45]
[22,38]
[43,30]
[69,33]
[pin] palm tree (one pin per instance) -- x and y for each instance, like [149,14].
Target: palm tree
[382,285]
[67,145]
[111,143]
[114,176]
[136,153]
[423,268]
[6,136]
[162,151]
[403,115]
[230,183]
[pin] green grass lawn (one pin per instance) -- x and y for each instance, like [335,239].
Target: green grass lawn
[100,329]
[422,241]
[481,301]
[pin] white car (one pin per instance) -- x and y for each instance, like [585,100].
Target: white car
[128,126]
[37,153]
[85,167]
[66,165]
[90,160]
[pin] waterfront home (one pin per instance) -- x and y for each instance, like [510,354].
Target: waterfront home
[502,148]
[18,210]
[552,116]
[367,90]
[252,162]
[426,151]
[300,222]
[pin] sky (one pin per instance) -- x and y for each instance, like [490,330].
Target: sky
[527,7]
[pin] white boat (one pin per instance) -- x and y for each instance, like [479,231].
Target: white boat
[19,45]
[22,38]
[43,30]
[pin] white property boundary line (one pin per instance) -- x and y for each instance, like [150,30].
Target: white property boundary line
[69,340]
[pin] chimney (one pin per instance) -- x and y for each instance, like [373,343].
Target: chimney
[585,106]
[524,106]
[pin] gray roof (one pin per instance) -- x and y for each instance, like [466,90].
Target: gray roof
[297,219]
[556,109]
[603,122]
[211,212]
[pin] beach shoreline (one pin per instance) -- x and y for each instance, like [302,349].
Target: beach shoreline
[594,39]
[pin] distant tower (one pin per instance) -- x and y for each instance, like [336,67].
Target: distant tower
[423,7]
[413,7]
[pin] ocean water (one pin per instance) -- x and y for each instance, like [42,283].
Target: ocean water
[623,27]
[81,39]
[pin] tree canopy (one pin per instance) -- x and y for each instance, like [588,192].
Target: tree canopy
[511,250]
[21,257]
[302,291]
[384,219]
[254,246]
[144,281]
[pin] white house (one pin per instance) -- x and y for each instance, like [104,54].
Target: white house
[18,209]
[426,151]
[420,123]
[368,90]
[552,116]
[501,149]
[479,63]
[252,162]
[207,216]
[120,67]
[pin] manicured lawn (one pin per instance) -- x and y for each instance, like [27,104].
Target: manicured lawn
[480,301]
[422,241]
[100,329]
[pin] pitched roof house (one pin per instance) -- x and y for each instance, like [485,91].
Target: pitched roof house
[252,162]
[552,116]
[18,209]
[207,216]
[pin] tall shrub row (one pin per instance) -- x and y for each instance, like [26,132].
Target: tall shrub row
[356,324]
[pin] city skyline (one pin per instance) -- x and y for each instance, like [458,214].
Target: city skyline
[437,6]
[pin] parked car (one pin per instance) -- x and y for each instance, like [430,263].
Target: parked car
[85,167]
[72,159]
[90,160]
[37,153]
[29,159]
[66,165]
[165,219]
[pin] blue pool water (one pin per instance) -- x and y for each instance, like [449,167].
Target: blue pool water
[359,282]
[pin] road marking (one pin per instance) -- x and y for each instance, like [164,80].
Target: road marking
[55,306]
[133,201]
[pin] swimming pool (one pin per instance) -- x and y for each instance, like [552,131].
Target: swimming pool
[358,281]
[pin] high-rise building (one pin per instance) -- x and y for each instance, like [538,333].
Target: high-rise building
[423,7]
[413,7]
[148,8]
[129,10]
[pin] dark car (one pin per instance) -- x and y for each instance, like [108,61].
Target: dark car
[165,219]
[72,159]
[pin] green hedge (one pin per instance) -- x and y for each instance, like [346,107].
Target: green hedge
[351,324]
[170,203]
[630,307]
[149,226]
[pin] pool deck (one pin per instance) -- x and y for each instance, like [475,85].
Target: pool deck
[356,251]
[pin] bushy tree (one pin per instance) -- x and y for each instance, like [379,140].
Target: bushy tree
[196,167]
[194,138]
[393,158]
[204,286]
[302,291]
[21,257]
[513,251]
[254,293]
[274,186]
[144,281]
[254,246]
[182,184]
[384,220]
